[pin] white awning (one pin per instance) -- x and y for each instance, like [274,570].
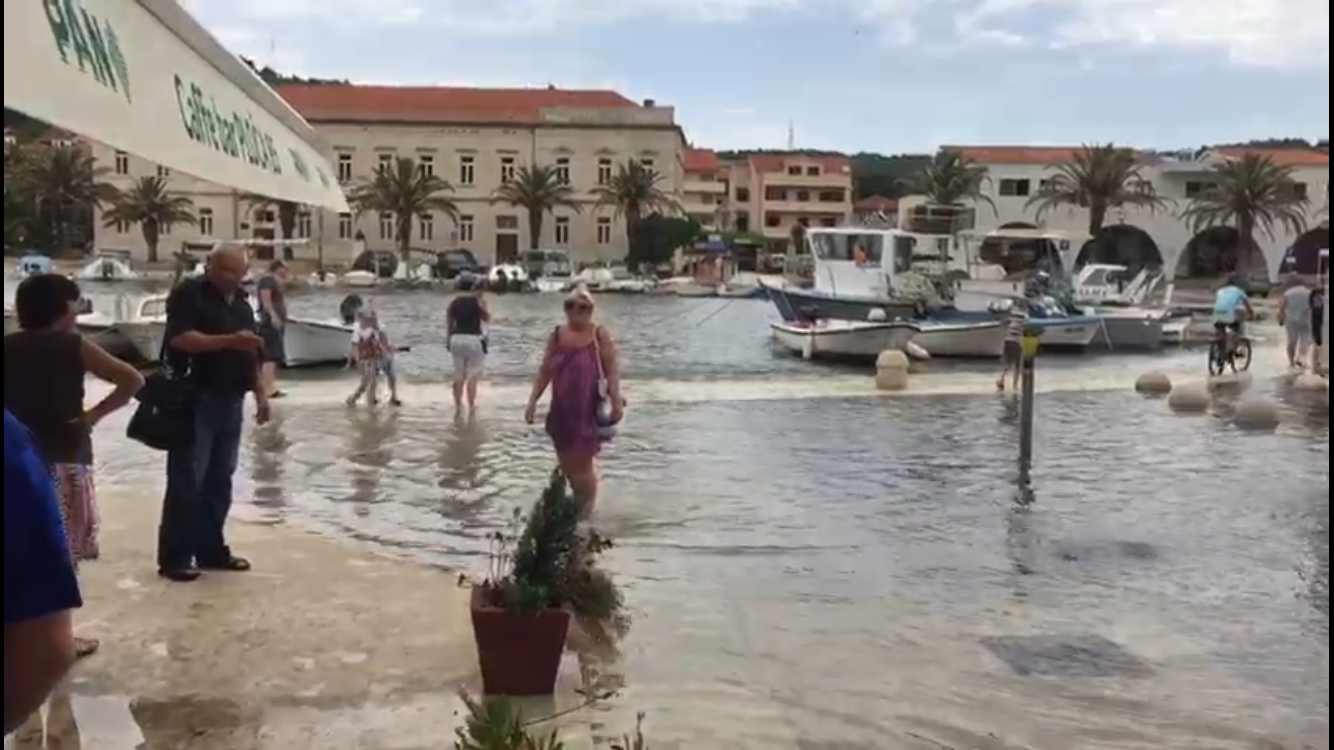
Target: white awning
[143,76]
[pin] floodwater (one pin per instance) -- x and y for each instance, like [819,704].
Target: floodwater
[810,566]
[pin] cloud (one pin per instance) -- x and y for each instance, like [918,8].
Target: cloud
[1257,33]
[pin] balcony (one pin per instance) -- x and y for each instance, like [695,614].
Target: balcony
[829,180]
[808,207]
[701,187]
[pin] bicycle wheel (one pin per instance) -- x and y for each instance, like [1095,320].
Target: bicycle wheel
[1241,356]
[1216,359]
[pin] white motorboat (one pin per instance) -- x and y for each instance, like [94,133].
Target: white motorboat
[624,282]
[512,273]
[322,279]
[360,279]
[419,276]
[308,342]
[106,267]
[550,271]
[843,339]
[963,340]
[553,284]
[104,328]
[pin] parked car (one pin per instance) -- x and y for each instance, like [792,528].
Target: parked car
[382,263]
[450,263]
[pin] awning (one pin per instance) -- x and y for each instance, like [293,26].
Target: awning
[143,76]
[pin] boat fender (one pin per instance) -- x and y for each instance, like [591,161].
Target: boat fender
[917,352]
[349,307]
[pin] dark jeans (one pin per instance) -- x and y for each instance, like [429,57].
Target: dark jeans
[199,484]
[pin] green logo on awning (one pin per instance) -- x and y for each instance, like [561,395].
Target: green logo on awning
[89,42]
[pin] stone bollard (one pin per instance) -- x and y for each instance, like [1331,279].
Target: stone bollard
[1309,382]
[891,371]
[1154,383]
[1190,398]
[1256,414]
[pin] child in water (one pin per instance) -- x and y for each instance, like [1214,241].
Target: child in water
[374,354]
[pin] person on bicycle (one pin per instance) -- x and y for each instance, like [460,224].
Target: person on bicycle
[1231,308]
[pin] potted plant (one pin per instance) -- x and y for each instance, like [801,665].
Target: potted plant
[499,725]
[539,577]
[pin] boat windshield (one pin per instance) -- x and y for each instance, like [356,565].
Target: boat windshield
[865,249]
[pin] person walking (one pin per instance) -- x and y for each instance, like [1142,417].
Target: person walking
[580,358]
[373,353]
[273,324]
[465,338]
[41,588]
[1294,314]
[1012,352]
[46,363]
[212,342]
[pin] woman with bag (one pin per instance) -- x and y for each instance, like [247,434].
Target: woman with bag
[46,362]
[465,339]
[581,367]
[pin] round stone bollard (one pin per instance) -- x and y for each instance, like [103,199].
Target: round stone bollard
[877,315]
[891,371]
[1154,383]
[1309,382]
[1256,414]
[1190,398]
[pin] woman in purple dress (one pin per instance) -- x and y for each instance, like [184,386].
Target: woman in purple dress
[580,359]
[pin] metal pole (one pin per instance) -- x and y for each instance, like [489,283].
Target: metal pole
[1026,405]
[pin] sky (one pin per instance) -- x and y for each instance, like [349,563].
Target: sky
[891,76]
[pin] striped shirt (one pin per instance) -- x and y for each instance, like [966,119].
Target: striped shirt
[1017,320]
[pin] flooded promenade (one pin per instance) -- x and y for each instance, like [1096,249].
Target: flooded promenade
[811,566]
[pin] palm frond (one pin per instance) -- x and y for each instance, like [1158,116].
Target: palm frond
[1098,178]
[635,191]
[1251,193]
[951,179]
[149,201]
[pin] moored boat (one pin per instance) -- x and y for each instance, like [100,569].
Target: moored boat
[984,339]
[843,339]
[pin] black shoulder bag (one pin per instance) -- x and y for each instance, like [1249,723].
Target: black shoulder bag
[163,418]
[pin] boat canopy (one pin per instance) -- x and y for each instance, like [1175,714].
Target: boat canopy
[145,77]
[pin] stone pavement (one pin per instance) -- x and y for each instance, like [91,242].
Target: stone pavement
[326,645]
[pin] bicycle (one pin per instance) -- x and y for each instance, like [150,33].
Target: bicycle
[1237,357]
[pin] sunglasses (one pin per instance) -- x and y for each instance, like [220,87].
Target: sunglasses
[577,307]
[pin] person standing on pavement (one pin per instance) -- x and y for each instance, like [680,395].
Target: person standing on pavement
[41,590]
[273,325]
[212,342]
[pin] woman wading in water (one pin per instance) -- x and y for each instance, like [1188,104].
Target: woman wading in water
[46,362]
[580,355]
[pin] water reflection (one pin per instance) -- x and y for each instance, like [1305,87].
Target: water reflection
[370,436]
[268,458]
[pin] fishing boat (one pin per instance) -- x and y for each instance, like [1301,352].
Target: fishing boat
[104,328]
[308,342]
[843,339]
[855,270]
[983,339]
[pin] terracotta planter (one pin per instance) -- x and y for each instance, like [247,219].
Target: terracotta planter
[519,653]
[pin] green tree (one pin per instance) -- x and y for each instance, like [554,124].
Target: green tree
[657,237]
[406,192]
[538,190]
[952,179]
[148,204]
[65,187]
[1098,178]
[1252,193]
[634,192]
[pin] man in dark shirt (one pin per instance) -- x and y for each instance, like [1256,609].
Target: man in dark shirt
[40,587]
[272,324]
[212,342]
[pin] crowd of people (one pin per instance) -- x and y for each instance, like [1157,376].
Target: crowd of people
[218,350]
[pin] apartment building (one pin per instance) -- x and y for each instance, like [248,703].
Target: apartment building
[1020,172]
[770,193]
[475,139]
[704,193]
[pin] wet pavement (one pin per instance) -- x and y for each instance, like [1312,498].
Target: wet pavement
[812,566]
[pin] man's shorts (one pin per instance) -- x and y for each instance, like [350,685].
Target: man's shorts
[274,350]
[1221,327]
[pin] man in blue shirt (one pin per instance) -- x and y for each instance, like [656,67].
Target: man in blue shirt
[1229,303]
[40,587]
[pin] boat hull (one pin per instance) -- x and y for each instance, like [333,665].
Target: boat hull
[144,337]
[1129,334]
[853,343]
[552,284]
[983,340]
[314,343]
[1066,333]
[792,303]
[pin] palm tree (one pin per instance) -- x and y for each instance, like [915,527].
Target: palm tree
[406,192]
[1250,193]
[634,192]
[1098,178]
[65,186]
[148,204]
[952,179]
[286,210]
[539,191]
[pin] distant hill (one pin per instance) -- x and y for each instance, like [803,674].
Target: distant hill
[274,78]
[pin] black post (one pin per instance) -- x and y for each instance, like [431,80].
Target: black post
[1026,405]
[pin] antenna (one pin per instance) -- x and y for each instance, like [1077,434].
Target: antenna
[791,136]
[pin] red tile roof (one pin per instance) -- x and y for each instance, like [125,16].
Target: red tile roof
[438,104]
[701,161]
[1287,157]
[771,163]
[876,203]
[1016,155]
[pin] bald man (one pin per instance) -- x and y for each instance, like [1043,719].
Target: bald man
[212,341]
